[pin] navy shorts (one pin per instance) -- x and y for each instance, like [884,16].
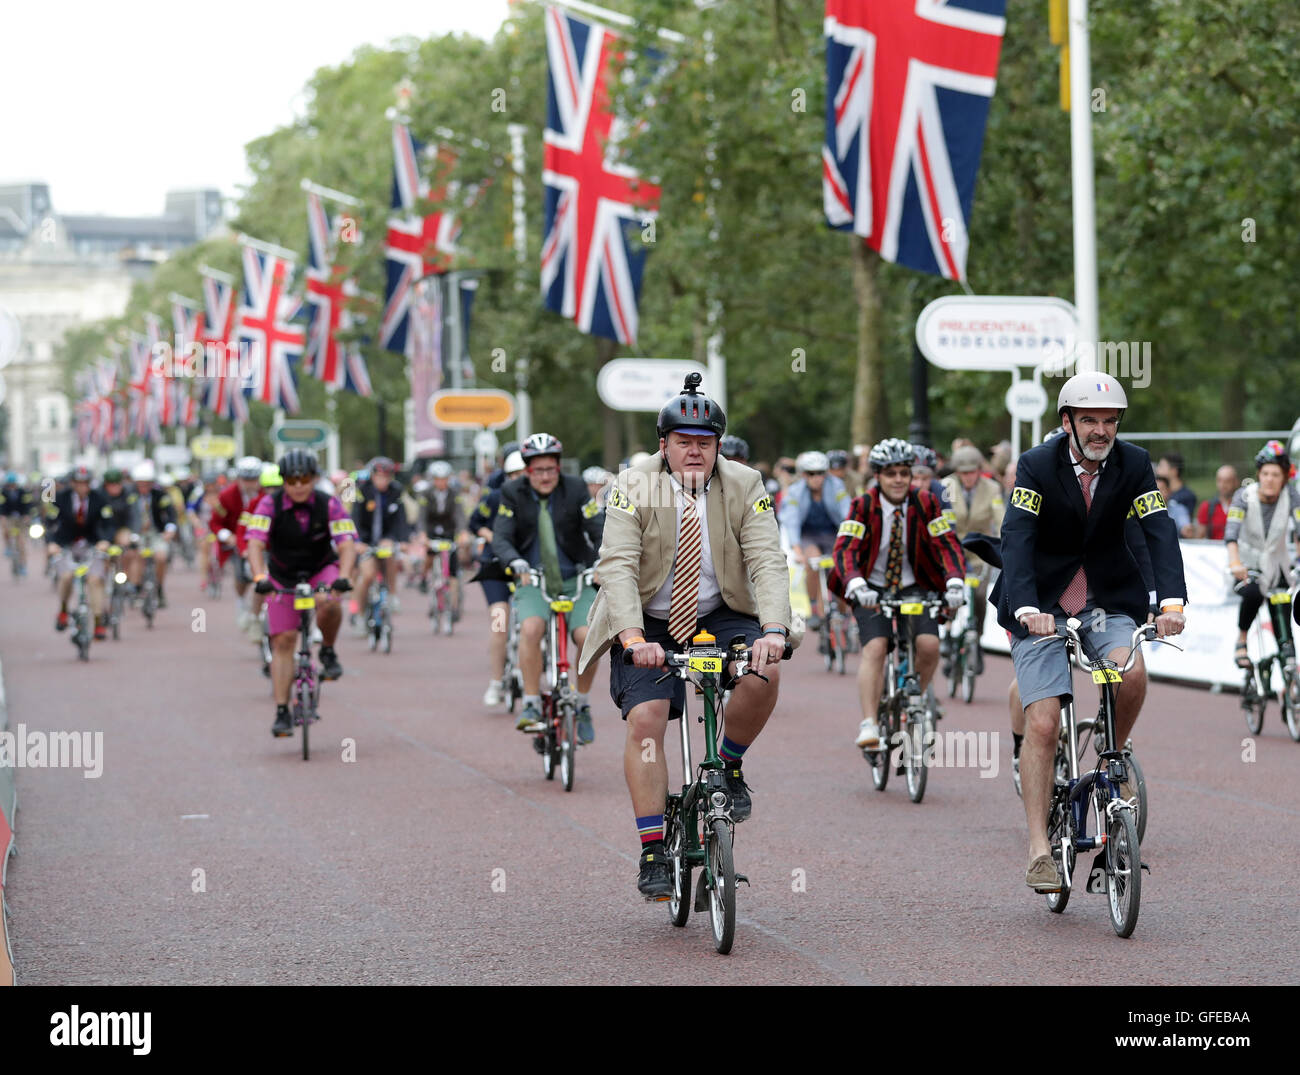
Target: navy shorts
[630,686]
[496,591]
[823,539]
[872,623]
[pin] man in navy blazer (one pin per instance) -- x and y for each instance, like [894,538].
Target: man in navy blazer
[1064,554]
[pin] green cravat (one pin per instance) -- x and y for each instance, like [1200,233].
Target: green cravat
[550,553]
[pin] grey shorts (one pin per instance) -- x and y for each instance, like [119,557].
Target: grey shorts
[1043,672]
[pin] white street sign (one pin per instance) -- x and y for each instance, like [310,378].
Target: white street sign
[997,332]
[645,384]
[485,443]
[1026,400]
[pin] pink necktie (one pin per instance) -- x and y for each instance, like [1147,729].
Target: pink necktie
[1076,594]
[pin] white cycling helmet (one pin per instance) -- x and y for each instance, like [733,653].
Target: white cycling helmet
[144,471]
[249,468]
[813,462]
[439,468]
[595,476]
[1091,390]
[514,463]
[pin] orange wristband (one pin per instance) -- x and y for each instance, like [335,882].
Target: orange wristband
[633,642]
[1171,608]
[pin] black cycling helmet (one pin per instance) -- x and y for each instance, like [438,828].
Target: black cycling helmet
[508,447]
[691,410]
[891,451]
[734,447]
[837,458]
[298,461]
[540,444]
[114,477]
[80,473]
[1273,452]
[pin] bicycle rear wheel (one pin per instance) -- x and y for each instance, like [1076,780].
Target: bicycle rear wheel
[1123,872]
[679,903]
[1253,704]
[1062,844]
[722,893]
[304,712]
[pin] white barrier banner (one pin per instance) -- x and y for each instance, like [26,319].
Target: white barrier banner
[1211,633]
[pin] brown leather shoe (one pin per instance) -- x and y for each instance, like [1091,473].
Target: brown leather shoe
[1042,875]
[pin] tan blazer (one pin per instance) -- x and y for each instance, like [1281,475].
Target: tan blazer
[984,516]
[640,546]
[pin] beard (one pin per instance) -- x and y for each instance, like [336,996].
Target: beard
[1096,452]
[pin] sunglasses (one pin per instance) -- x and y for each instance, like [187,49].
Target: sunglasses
[299,479]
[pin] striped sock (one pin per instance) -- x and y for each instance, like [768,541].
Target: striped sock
[651,828]
[732,752]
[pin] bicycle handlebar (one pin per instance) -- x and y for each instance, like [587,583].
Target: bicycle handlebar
[1070,631]
[676,661]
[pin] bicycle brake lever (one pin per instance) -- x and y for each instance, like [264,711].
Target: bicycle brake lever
[759,674]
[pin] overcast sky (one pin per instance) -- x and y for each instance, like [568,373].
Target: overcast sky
[114,104]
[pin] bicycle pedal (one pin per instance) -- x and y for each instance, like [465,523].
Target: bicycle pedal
[1146,867]
[657,899]
[741,879]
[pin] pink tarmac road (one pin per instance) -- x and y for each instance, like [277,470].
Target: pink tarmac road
[208,852]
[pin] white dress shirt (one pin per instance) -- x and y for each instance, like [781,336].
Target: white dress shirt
[893,515]
[710,595]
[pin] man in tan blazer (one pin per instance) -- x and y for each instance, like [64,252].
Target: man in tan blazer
[978,508]
[690,543]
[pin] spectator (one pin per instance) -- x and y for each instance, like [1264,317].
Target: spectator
[1177,511]
[1170,467]
[1212,515]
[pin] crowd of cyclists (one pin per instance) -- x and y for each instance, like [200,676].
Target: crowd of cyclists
[848,529]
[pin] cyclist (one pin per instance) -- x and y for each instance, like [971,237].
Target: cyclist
[154,521]
[597,479]
[1259,520]
[495,590]
[896,540]
[440,517]
[811,511]
[79,517]
[18,506]
[715,564]
[560,543]
[380,520]
[837,466]
[299,532]
[977,506]
[923,471]
[228,523]
[1067,554]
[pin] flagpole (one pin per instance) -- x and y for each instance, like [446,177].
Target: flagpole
[717,361]
[332,444]
[268,248]
[615,17]
[217,274]
[1085,227]
[327,192]
[516,132]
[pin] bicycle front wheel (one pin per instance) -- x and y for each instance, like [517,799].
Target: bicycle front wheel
[1290,705]
[1139,781]
[568,747]
[914,757]
[1253,704]
[722,893]
[1123,872]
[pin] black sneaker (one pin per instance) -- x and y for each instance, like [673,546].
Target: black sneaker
[656,879]
[283,722]
[329,663]
[741,804]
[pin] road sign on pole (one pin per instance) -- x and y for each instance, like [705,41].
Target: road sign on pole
[210,447]
[644,384]
[472,408]
[302,433]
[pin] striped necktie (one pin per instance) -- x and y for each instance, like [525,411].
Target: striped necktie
[1076,594]
[684,605]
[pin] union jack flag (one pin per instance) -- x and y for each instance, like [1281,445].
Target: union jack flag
[144,409]
[328,287]
[185,319]
[161,381]
[214,328]
[592,256]
[908,85]
[264,324]
[417,245]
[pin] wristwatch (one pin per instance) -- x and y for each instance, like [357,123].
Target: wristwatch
[777,631]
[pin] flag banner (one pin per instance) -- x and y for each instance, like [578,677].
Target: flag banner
[908,87]
[426,363]
[418,245]
[337,363]
[144,408]
[595,206]
[274,343]
[215,329]
[187,359]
